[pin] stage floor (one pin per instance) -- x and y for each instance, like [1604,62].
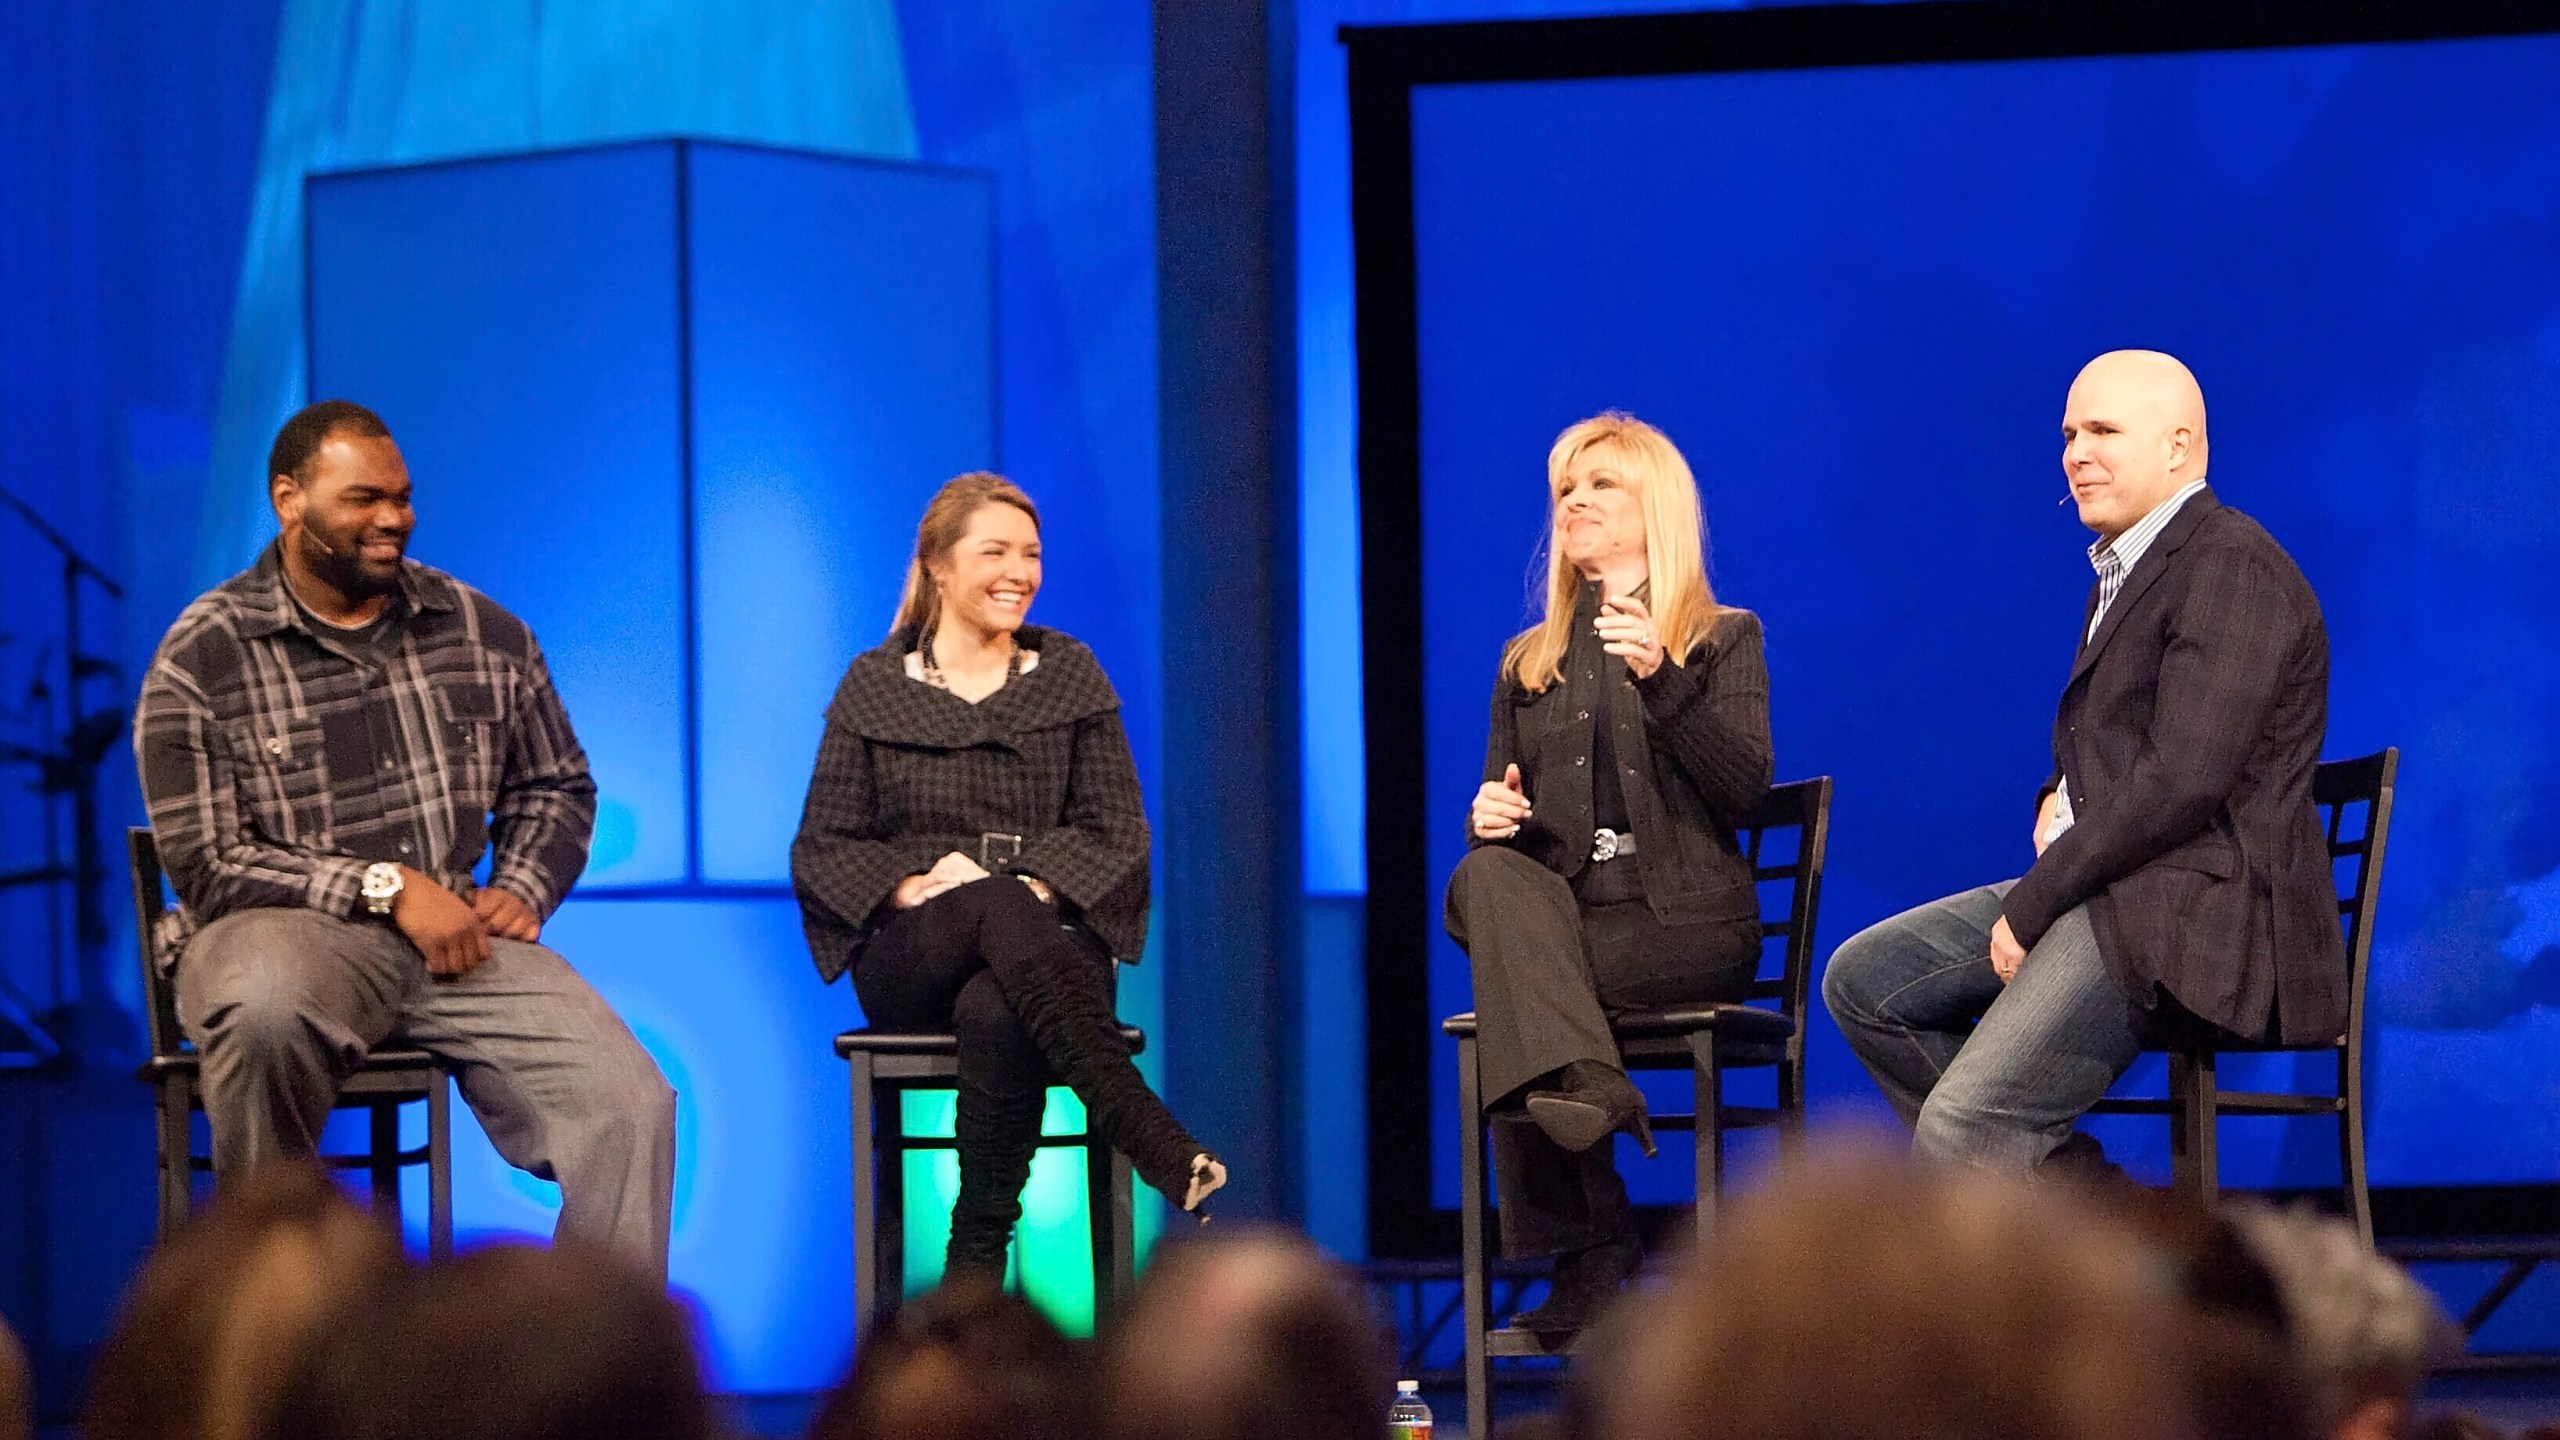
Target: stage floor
[2513,1402]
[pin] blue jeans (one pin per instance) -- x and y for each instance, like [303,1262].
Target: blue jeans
[1991,1074]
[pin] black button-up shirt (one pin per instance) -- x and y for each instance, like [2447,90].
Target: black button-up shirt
[279,757]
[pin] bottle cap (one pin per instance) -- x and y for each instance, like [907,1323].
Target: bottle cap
[1408,1387]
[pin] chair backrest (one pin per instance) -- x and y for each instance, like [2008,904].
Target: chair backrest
[1804,807]
[2338,787]
[150,902]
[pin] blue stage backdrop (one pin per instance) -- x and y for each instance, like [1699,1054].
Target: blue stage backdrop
[1855,298]
[678,404]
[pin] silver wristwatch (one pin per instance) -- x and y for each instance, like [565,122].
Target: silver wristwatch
[381,887]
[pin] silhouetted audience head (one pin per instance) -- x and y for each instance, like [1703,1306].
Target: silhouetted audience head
[1858,1299]
[17,1389]
[509,1343]
[2243,1382]
[222,1315]
[964,1362]
[1252,1337]
[2364,1332]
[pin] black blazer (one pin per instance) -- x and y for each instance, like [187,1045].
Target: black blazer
[2189,730]
[1693,742]
[908,772]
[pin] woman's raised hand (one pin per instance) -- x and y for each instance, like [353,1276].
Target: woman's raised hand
[1626,630]
[1499,806]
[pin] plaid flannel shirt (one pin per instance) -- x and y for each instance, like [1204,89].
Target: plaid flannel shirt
[278,761]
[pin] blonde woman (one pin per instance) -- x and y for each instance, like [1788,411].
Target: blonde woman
[1630,736]
[974,850]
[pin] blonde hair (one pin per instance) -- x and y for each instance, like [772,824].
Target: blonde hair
[1675,547]
[946,524]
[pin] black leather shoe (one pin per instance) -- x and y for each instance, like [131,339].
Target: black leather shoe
[1584,1284]
[1594,1103]
[2080,1157]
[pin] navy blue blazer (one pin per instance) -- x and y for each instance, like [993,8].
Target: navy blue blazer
[2189,729]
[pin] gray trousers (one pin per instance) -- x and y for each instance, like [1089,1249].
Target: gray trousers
[1990,1074]
[1548,969]
[282,1004]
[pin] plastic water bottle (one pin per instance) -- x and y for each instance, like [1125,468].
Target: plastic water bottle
[1409,1418]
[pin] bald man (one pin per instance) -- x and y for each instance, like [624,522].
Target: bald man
[2181,884]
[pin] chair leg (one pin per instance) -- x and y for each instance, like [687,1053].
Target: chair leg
[891,1136]
[1706,1079]
[440,1167]
[866,1199]
[2351,1141]
[1473,1274]
[1124,1228]
[177,1154]
[1791,1109]
[382,1160]
[1097,1217]
[2194,1133]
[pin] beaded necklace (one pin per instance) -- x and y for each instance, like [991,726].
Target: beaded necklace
[934,677]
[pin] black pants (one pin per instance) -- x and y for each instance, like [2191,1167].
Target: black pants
[1549,967]
[987,962]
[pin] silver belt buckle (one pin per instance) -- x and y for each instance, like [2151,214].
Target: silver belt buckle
[1604,845]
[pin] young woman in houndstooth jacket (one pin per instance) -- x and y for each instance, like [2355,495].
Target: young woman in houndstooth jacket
[974,850]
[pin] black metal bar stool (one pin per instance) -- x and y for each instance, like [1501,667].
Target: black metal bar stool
[1706,1040]
[388,1079]
[2196,1102]
[887,1064]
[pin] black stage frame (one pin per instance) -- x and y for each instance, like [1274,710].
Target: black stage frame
[1387,63]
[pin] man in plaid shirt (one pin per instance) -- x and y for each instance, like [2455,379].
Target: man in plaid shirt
[328,744]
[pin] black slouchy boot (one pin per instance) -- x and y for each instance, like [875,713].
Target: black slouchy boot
[1060,993]
[996,1134]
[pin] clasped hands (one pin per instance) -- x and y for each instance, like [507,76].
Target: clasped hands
[453,932]
[950,873]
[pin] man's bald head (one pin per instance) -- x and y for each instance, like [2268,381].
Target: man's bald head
[2133,435]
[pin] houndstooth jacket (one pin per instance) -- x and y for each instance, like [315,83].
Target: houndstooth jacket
[908,772]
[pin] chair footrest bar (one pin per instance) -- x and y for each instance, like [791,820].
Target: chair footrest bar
[1734,1117]
[2242,1102]
[2229,1102]
[415,1155]
[2132,1106]
[1510,1343]
[926,1043]
[1048,1141]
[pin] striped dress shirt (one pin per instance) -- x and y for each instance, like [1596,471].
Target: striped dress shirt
[2114,559]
